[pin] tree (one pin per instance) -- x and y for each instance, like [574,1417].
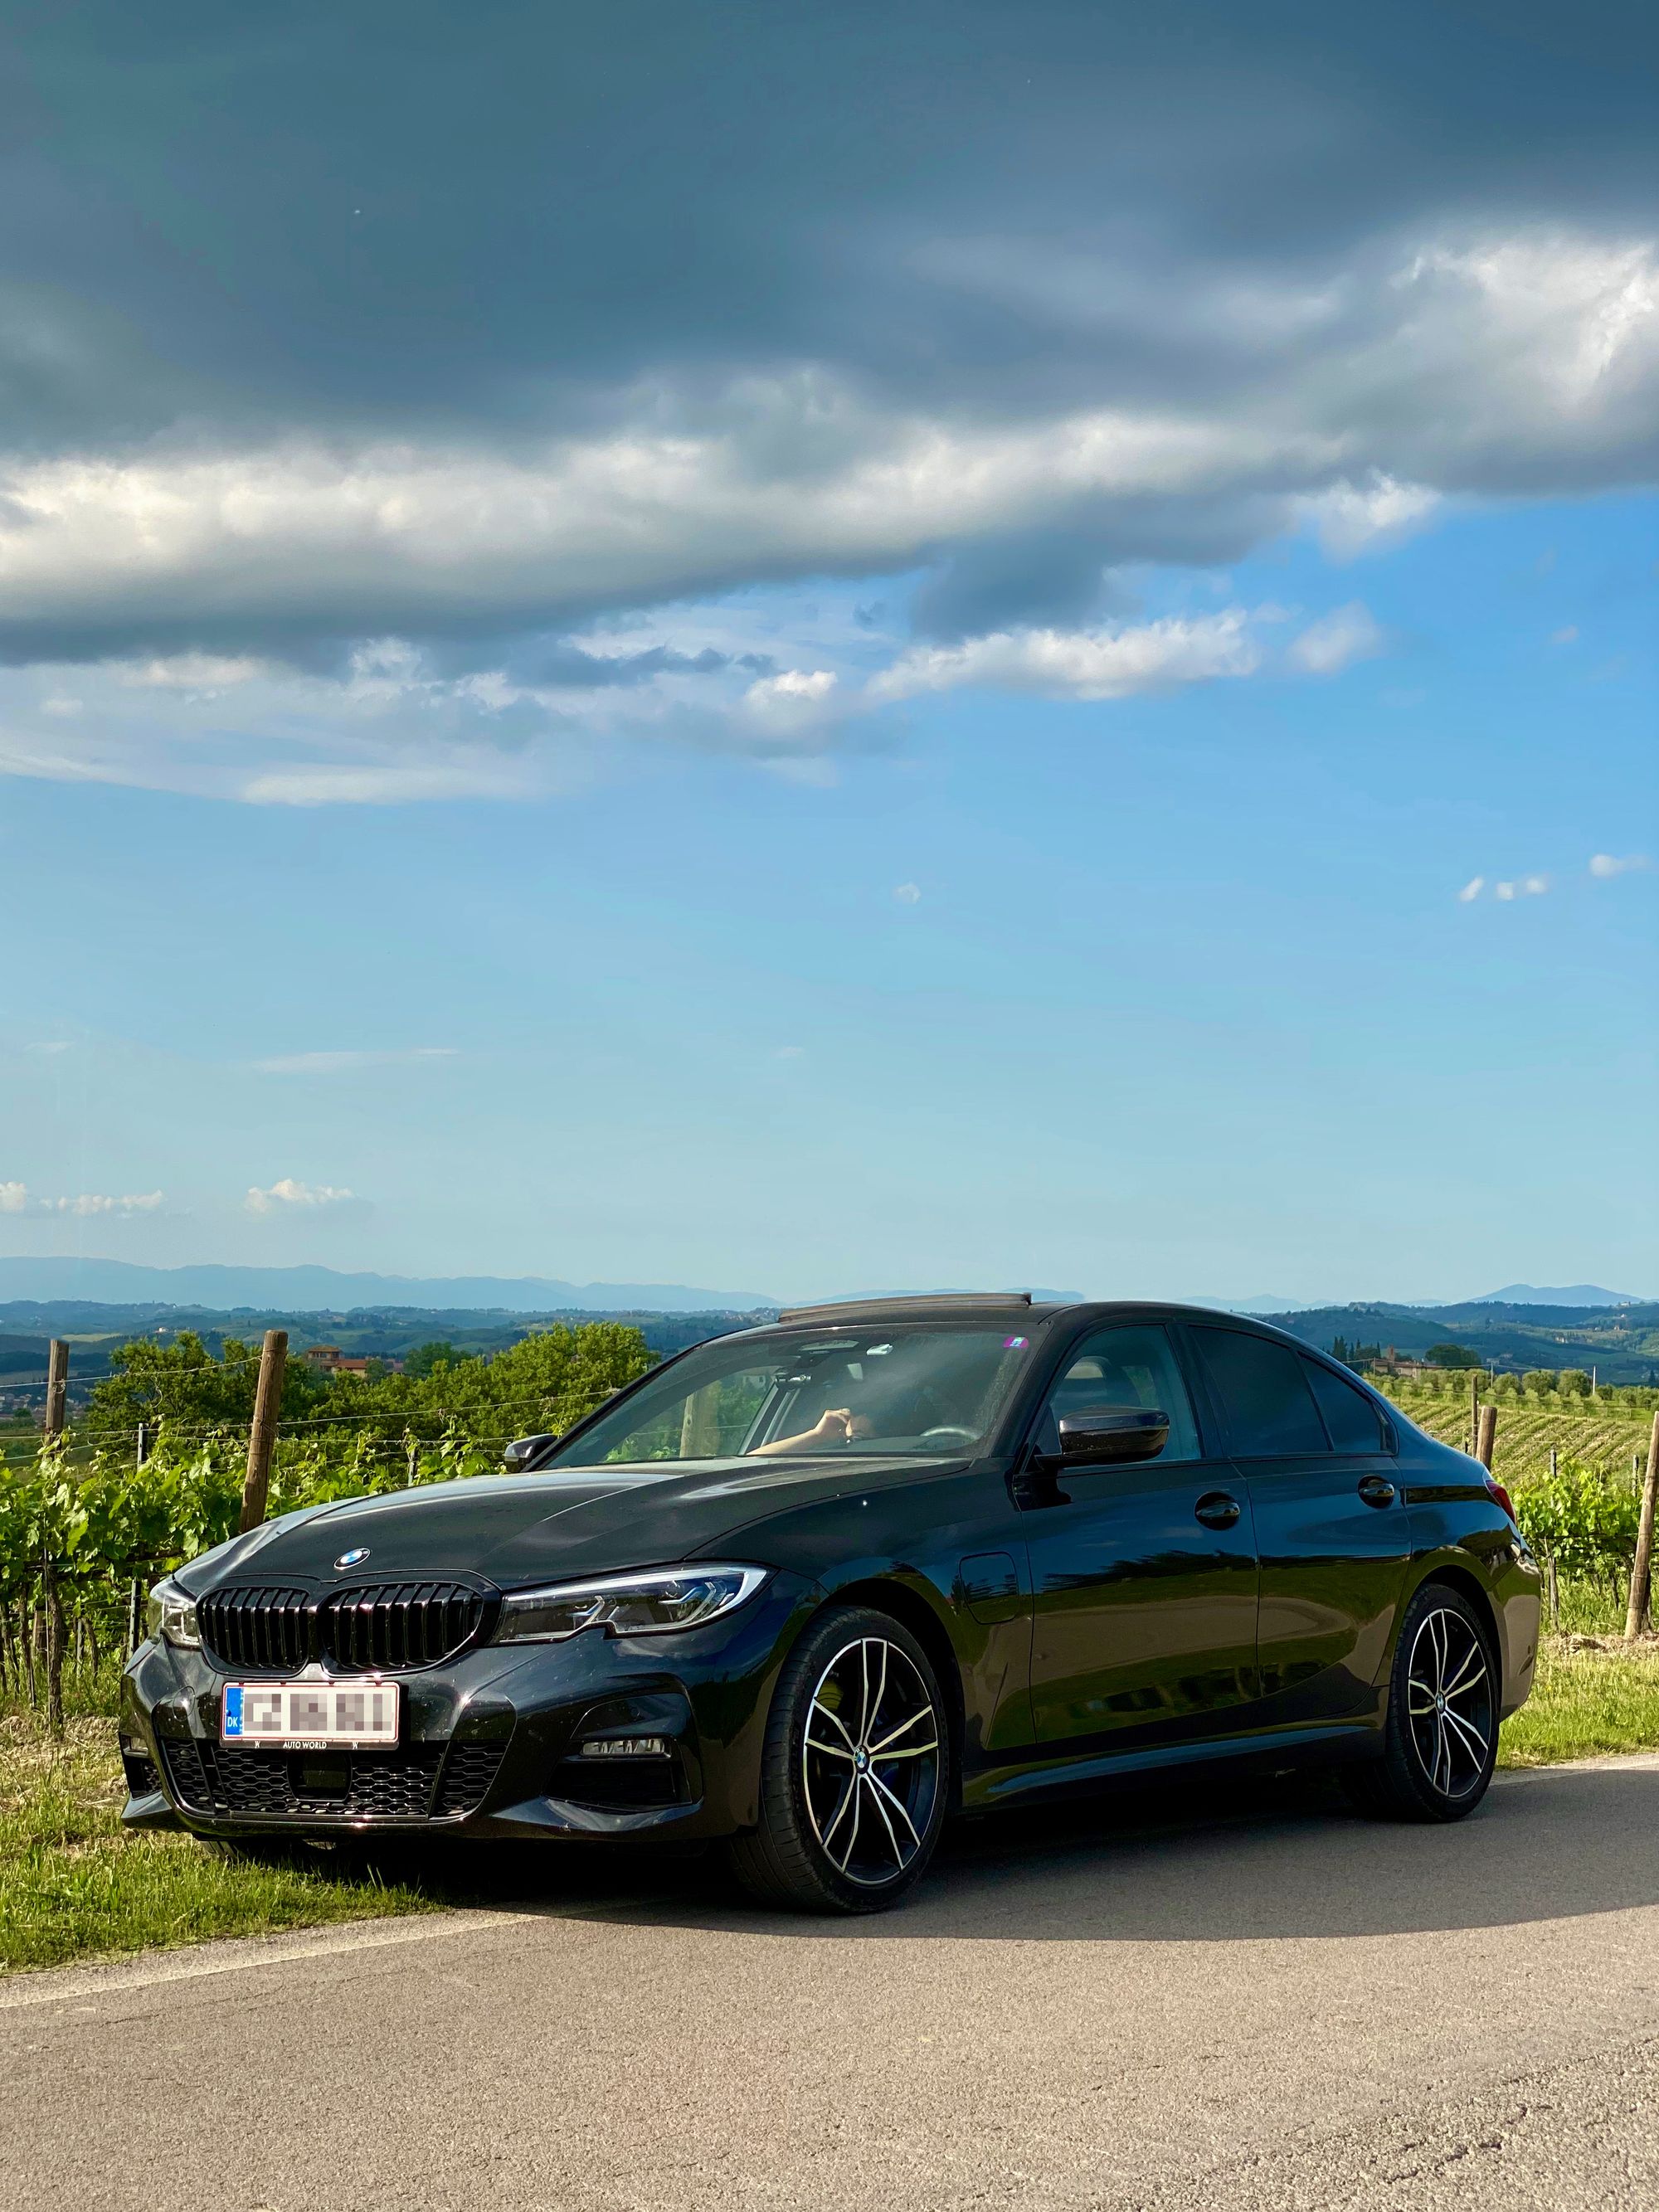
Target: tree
[1573,1382]
[424,1357]
[1539,1382]
[1453,1355]
[182,1383]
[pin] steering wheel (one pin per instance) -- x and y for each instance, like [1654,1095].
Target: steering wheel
[949,1430]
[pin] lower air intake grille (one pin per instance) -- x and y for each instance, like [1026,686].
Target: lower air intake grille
[618,1785]
[222,1781]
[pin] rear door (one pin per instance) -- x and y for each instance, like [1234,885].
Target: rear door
[1331,1525]
[1143,1576]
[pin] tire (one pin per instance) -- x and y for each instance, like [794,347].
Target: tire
[841,1830]
[1440,1742]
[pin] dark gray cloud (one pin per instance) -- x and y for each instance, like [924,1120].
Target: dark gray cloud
[431,213]
[469,324]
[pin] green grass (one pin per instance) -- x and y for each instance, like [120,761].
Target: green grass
[75,1885]
[1597,1698]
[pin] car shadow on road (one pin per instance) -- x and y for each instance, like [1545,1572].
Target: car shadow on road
[1222,1861]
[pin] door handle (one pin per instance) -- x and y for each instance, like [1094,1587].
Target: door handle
[1216,1509]
[1376,1490]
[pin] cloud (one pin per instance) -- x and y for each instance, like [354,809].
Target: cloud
[1101,663]
[1179,298]
[1605,865]
[908,893]
[209,672]
[1569,635]
[1356,519]
[50,1048]
[338,1063]
[1498,365]
[1509,889]
[797,704]
[1335,642]
[790,1052]
[287,1192]
[15,1199]
[89,1203]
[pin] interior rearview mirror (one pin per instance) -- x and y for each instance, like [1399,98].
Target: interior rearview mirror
[523,1452]
[1111,1435]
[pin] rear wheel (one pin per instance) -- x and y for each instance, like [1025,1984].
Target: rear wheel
[855,1772]
[1441,1741]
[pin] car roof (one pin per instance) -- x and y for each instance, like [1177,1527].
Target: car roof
[995,1305]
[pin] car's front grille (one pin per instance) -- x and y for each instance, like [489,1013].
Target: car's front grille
[378,1628]
[265,1631]
[398,1625]
[225,1781]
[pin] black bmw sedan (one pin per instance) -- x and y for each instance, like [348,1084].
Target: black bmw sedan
[810,1589]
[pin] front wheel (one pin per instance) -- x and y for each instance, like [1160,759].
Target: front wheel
[1440,1743]
[854,1770]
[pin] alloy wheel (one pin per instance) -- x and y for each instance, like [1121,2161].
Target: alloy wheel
[870,1761]
[1449,1703]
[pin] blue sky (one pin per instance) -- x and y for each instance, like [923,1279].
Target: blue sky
[974,792]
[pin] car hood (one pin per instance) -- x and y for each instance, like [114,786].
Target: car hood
[517,1529]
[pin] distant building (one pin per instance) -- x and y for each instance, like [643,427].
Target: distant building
[329,1359]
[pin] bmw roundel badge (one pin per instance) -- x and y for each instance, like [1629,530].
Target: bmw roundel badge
[352,1558]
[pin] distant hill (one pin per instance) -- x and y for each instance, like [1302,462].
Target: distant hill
[1620,1343]
[325,1289]
[1568,1294]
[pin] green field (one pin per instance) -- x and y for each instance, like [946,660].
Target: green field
[1606,1438]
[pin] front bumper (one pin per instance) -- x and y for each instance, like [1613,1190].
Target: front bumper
[489,1742]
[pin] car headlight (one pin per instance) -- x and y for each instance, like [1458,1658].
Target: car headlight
[648,1604]
[172,1616]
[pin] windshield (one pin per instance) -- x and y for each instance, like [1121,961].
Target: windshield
[933,1391]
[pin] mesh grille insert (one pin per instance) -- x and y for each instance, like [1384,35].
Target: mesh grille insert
[222,1781]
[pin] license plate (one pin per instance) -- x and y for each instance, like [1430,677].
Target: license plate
[309,1716]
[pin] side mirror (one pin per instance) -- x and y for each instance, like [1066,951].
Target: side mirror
[522,1454]
[1097,1436]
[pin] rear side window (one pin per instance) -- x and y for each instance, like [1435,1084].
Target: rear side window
[1263,1394]
[1354,1422]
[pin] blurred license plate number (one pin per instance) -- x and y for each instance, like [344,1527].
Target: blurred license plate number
[310,1716]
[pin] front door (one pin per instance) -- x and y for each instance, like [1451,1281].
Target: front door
[1143,1576]
[1330,1523]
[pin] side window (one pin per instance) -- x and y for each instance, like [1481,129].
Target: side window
[1354,1422]
[1124,1367]
[1263,1393]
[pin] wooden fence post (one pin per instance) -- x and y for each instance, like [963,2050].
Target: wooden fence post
[51,1604]
[1487,1441]
[1641,1574]
[262,1436]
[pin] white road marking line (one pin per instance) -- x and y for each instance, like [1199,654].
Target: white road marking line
[64,1985]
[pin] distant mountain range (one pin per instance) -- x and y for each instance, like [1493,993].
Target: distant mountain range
[329,1290]
[325,1289]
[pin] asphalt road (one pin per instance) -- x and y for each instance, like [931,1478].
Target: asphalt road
[1252,2001]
